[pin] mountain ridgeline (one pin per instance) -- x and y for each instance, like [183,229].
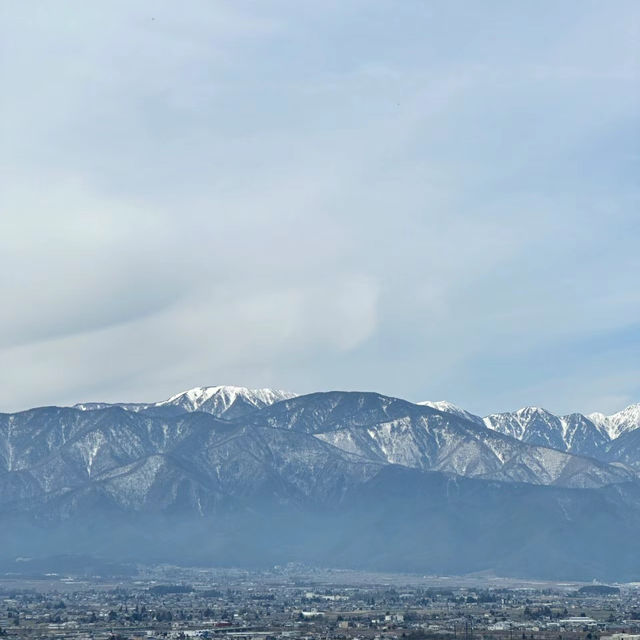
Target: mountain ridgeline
[228,475]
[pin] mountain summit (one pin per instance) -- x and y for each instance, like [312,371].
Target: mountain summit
[225,401]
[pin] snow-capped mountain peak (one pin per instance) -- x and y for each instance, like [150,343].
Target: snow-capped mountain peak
[618,423]
[574,433]
[541,427]
[517,423]
[222,399]
[449,407]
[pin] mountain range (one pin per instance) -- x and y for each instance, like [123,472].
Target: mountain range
[228,474]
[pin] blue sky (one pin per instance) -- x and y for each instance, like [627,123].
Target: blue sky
[434,200]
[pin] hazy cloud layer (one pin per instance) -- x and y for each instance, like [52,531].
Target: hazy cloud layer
[428,199]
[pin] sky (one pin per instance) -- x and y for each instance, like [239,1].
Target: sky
[432,200]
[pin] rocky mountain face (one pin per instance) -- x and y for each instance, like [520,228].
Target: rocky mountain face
[216,461]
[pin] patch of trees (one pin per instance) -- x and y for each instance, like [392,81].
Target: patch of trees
[164,589]
[538,612]
[599,590]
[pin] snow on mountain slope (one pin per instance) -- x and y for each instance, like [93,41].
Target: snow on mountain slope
[583,437]
[573,433]
[449,407]
[431,443]
[394,431]
[618,423]
[93,406]
[193,462]
[529,424]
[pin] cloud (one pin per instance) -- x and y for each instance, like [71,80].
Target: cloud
[417,199]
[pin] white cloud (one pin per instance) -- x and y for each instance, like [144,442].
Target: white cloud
[363,196]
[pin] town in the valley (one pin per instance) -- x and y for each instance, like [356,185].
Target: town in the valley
[297,602]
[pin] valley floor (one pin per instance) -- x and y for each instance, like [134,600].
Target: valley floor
[301,602]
